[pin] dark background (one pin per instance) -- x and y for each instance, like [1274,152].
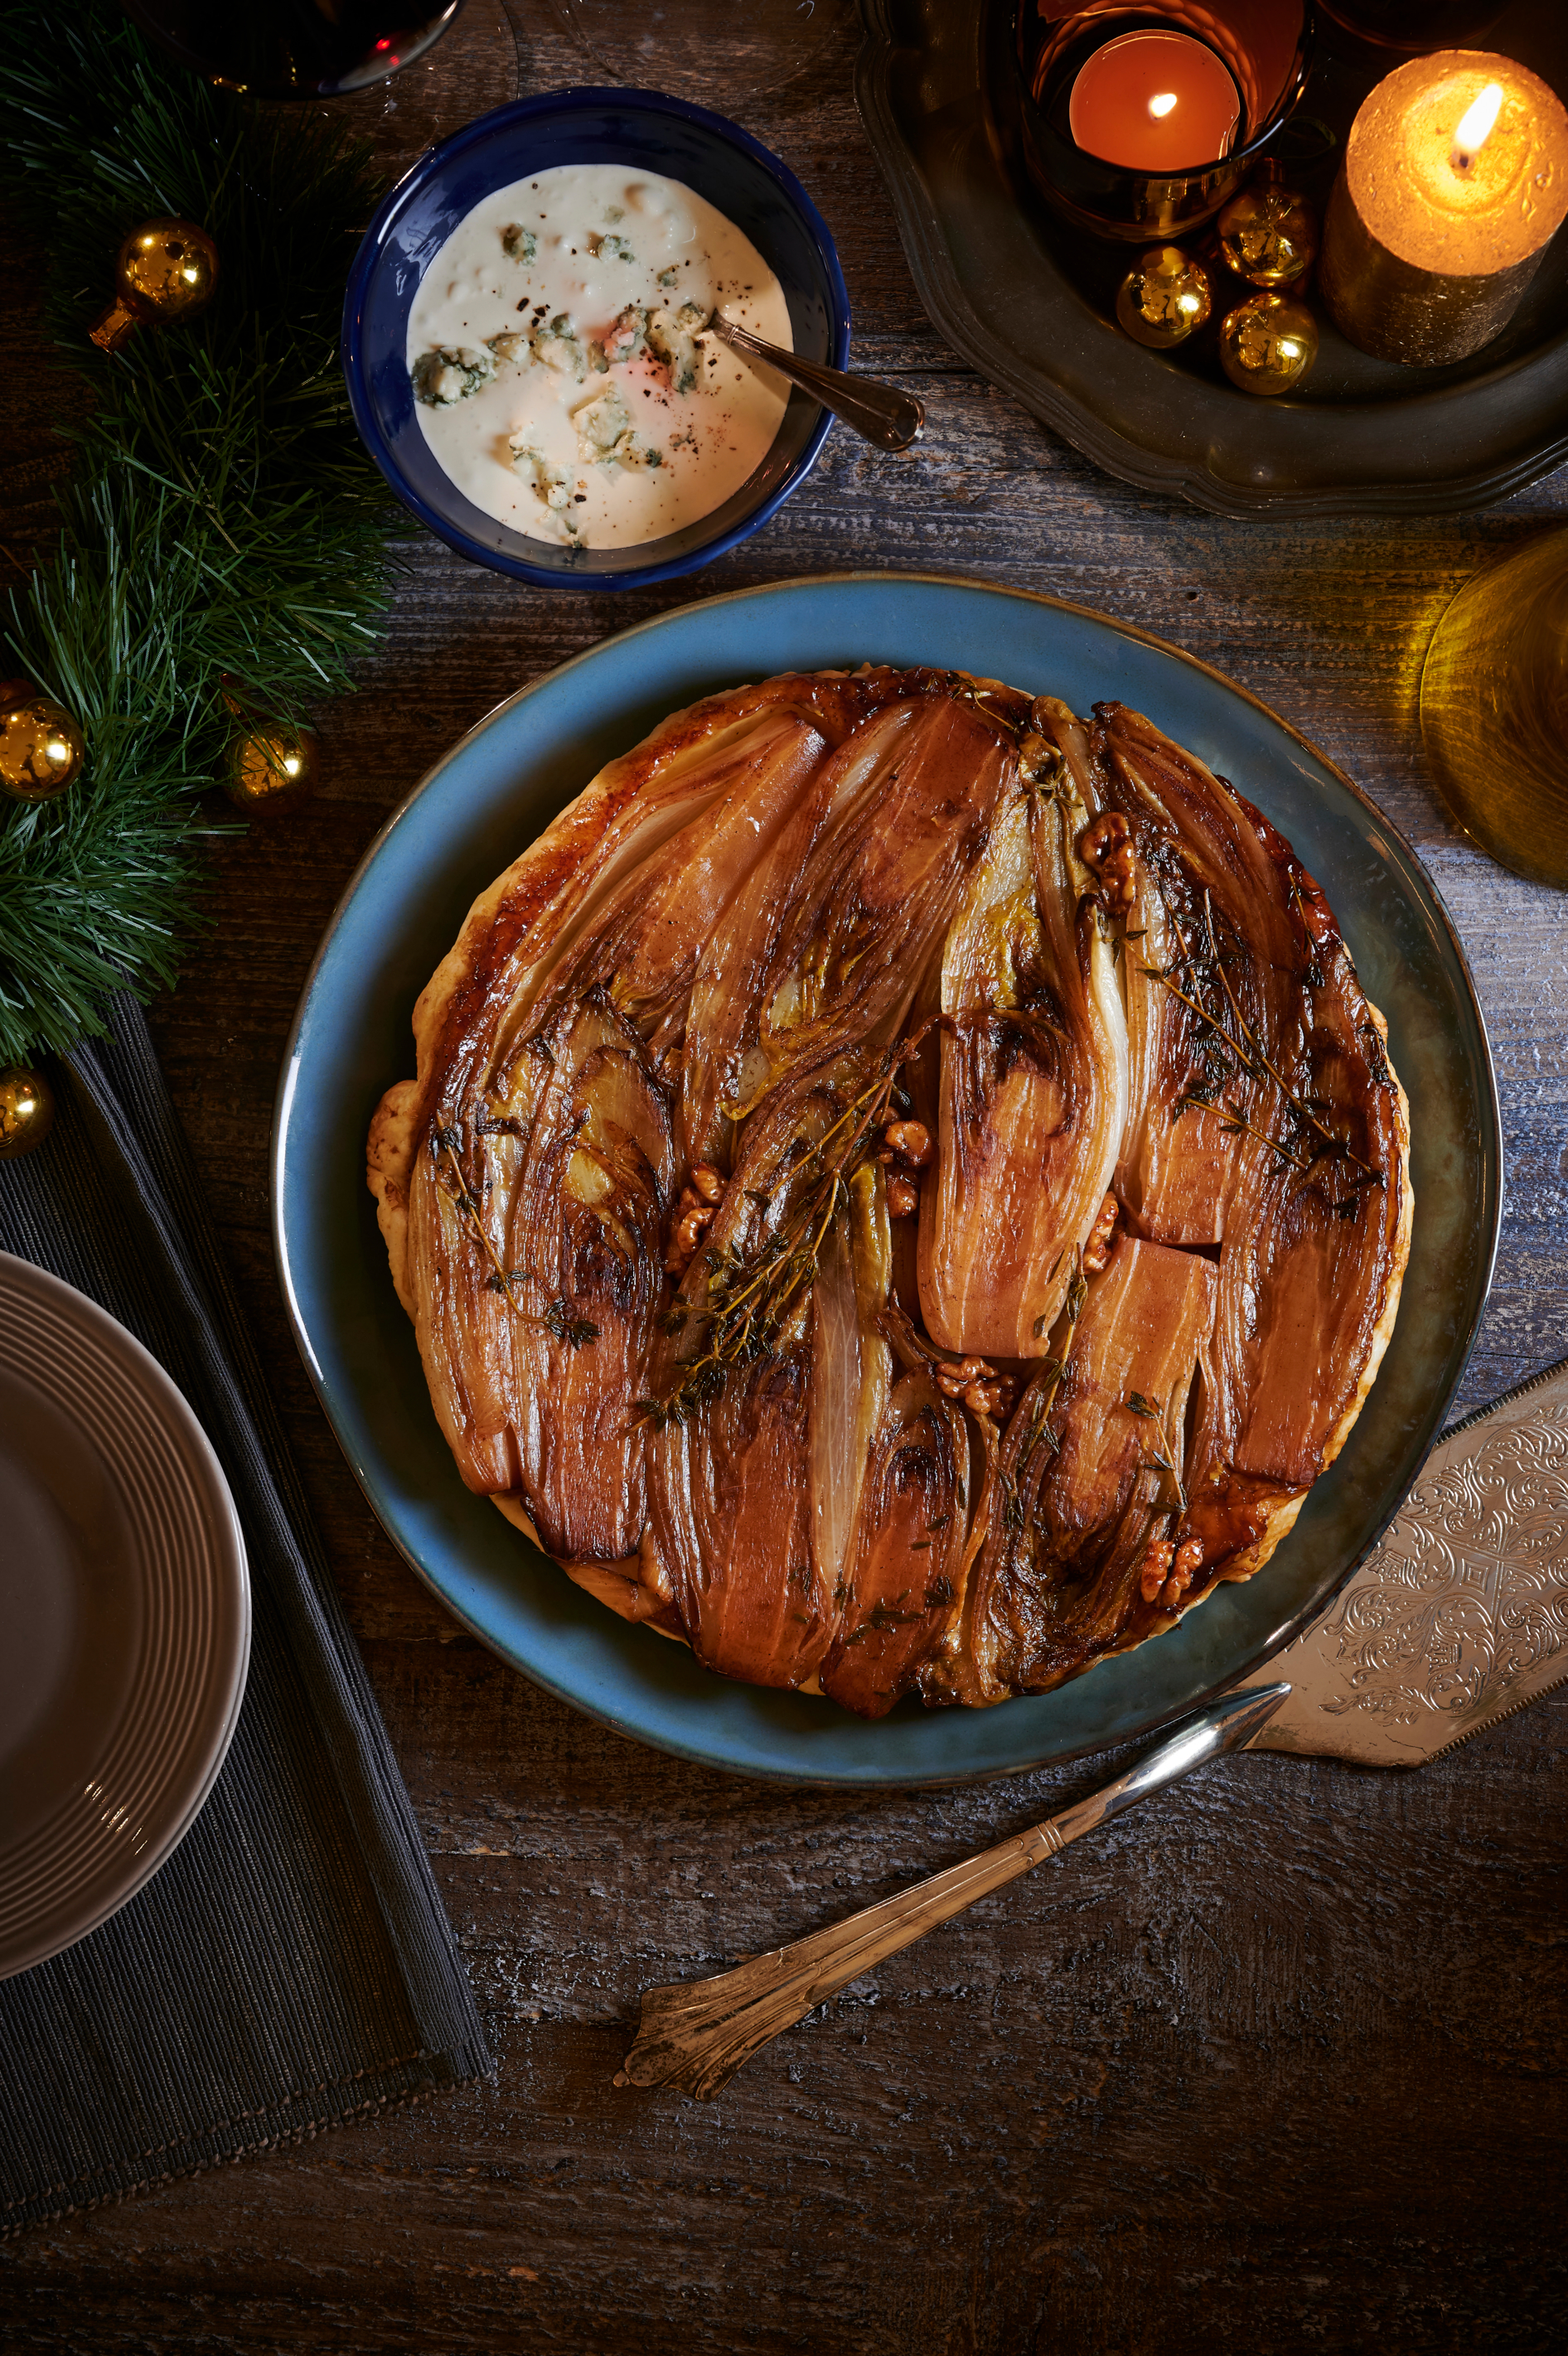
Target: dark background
[1278,2063]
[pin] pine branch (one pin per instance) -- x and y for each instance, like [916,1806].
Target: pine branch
[220,515]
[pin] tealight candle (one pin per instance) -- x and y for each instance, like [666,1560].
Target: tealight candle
[1154,102]
[1456,177]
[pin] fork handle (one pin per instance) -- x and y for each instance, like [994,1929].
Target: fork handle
[695,2034]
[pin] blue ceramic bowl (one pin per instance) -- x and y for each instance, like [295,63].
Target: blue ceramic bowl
[648,132]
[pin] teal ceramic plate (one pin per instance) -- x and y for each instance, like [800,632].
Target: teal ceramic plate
[485,801]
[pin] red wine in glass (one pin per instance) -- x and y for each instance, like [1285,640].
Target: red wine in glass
[294,49]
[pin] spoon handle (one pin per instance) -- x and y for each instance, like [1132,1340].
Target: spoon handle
[695,2034]
[890,419]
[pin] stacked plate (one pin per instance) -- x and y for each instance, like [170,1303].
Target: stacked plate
[124,1616]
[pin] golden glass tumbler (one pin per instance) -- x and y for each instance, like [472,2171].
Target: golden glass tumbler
[1494,709]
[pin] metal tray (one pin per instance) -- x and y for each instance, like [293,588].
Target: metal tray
[1029,301]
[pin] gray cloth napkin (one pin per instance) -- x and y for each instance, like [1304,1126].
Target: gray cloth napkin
[290,1965]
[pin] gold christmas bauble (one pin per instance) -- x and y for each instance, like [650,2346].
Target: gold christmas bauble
[1268,234]
[26,1111]
[164,271]
[269,767]
[1163,298]
[40,744]
[1267,343]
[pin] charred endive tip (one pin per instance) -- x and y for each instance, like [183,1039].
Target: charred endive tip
[559,1318]
[1253,1059]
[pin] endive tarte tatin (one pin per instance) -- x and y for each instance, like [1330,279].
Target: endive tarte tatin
[903,1188]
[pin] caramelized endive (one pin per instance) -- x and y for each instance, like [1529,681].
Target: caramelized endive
[903,1188]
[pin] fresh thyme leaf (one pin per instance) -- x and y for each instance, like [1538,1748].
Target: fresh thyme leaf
[574,1331]
[882,1616]
[1136,1404]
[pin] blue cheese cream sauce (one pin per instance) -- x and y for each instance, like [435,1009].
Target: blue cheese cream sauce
[560,370]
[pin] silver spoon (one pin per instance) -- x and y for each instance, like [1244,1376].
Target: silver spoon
[890,419]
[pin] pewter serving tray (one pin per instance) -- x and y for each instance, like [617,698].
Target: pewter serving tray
[1029,301]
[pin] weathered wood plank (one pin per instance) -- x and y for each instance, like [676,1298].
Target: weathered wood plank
[1277,2062]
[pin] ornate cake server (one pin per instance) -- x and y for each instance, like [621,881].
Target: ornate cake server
[1458,1619]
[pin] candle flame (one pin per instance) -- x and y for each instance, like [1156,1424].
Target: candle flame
[1161,106]
[1476,125]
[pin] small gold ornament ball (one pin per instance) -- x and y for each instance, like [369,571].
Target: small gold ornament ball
[1269,234]
[167,269]
[1163,298]
[1267,343]
[26,1111]
[270,767]
[164,271]
[40,744]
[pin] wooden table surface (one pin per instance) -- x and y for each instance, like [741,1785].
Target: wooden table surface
[1278,2063]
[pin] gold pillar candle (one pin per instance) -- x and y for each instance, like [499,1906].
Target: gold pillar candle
[1455,177]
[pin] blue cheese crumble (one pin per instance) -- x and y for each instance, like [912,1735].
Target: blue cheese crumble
[450,374]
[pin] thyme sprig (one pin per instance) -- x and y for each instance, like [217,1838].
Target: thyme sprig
[750,1300]
[1235,1124]
[1136,1404]
[1300,1105]
[558,1320]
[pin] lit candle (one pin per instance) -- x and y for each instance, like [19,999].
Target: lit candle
[1154,102]
[1456,177]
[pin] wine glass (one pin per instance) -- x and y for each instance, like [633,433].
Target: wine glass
[1494,709]
[402,73]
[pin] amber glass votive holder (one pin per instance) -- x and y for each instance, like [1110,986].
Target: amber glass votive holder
[1265,47]
[1494,709]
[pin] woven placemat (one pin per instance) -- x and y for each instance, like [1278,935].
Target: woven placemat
[290,1965]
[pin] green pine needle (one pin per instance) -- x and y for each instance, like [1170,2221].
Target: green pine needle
[221,518]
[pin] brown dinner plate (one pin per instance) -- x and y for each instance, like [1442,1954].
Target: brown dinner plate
[124,1616]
